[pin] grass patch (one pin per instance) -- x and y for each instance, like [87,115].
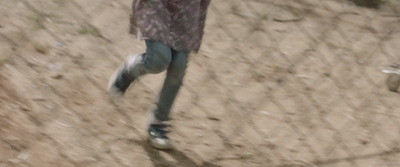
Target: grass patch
[89,30]
[363,57]
[265,17]
[394,5]
[259,76]
[277,69]
[236,11]
[38,20]
[3,61]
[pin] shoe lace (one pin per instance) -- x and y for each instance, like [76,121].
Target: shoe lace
[161,130]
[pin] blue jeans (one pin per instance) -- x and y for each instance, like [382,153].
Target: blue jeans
[160,57]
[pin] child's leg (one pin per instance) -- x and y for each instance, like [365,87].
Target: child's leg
[172,84]
[156,59]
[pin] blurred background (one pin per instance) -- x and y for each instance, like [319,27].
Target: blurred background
[288,83]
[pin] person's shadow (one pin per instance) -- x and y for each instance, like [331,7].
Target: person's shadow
[160,161]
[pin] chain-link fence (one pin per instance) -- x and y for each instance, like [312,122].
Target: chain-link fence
[276,83]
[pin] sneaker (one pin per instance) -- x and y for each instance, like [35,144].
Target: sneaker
[158,136]
[121,78]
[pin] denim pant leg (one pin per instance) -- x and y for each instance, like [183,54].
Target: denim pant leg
[156,59]
[160,57]
[172,84]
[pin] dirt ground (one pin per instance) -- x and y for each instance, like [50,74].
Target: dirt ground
[276,84]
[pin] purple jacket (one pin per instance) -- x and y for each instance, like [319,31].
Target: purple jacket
[176,23]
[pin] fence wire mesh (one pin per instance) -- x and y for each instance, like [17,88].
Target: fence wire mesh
[276,83]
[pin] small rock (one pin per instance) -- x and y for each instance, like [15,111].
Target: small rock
[59,44]
[265,113]
[80,56]
[393,82]
[56,75]
[23,156]
[212,118]
[91,159]
[13,138]
[38,99]
[55,66]
[50,106]
[115,4]
[114,148]
[25,108]
[14,160]
[237,84]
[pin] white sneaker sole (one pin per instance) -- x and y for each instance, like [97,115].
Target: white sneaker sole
[161,144]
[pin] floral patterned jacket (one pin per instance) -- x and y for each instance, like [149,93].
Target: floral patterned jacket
[176,23]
